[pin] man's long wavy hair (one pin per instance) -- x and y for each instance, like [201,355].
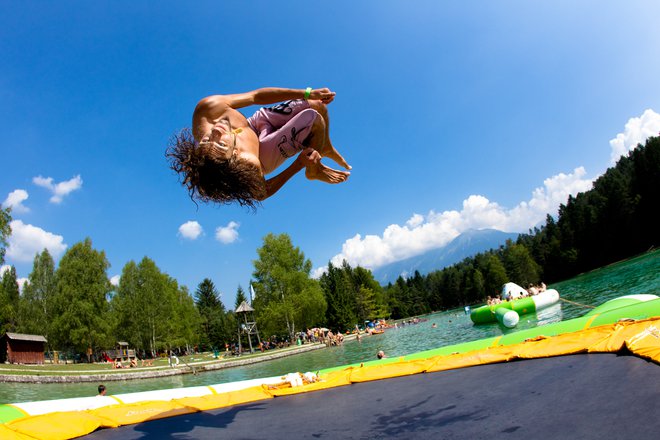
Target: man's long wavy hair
[209,177]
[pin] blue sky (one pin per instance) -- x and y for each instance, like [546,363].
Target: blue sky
[454,115]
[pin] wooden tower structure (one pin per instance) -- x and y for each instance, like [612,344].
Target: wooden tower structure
[246,324]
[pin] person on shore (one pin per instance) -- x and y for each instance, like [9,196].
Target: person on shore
[330,339]
[172,359]
[226,156]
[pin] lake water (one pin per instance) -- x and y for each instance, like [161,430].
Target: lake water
[635,276]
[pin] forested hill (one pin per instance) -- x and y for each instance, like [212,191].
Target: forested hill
[614,220]
[465,245]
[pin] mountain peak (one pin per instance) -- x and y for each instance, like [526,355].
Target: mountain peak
[467,244]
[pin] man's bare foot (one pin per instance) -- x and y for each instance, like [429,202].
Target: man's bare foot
[323,173]
[331,152]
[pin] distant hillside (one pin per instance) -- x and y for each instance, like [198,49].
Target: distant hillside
[465,245]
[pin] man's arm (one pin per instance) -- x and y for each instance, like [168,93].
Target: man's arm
[214,106]
[307,157]
[271,95]
[267,95]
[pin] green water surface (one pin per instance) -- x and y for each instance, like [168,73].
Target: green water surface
[635,276]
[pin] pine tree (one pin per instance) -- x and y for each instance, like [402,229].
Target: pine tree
[9,296]
[341,311]
[37,298]
[213,314]
[79,318]
[5,232]
[240,297]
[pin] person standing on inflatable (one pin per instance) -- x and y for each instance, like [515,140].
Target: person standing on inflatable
[226,156]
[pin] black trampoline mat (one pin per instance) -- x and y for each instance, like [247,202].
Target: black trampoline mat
[589,396]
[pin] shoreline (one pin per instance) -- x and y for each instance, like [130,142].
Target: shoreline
[157,372]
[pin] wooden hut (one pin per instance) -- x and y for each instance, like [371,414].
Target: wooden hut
[17,348]
[122,352]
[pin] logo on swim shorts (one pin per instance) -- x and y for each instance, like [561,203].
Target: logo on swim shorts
[283,108]
[293,144]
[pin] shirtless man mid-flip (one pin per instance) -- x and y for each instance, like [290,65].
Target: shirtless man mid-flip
[227,156]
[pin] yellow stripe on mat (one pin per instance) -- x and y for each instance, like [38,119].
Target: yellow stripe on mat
[117,399]
[586,326]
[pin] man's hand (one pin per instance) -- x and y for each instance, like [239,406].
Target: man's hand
[324,95]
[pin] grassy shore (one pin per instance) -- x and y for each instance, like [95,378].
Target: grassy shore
[85,372]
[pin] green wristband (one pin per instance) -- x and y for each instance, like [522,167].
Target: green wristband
[308,91]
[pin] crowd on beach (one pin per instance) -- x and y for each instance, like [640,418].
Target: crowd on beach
[322,335]
[532,290]
[133,363]
[310,336]
[132,358]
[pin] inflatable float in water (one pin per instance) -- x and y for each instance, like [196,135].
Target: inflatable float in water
[508,318]
[489,314]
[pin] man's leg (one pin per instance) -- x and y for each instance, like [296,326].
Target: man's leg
[327,149]
[318,171]
[306,128]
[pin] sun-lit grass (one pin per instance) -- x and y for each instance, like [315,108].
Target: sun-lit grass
[67,369]
[99,367]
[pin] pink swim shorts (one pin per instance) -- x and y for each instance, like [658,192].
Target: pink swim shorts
[282,130]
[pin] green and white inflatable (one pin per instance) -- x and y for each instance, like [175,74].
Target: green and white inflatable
[500,312]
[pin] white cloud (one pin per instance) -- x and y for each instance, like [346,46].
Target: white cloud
[26,241]
[227,234]
[22,282]
[15,201]
[423,233]
[636,131]
[191,230]
[61,189]
[316,273]
[415,221]
[115,280]
[4,269]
